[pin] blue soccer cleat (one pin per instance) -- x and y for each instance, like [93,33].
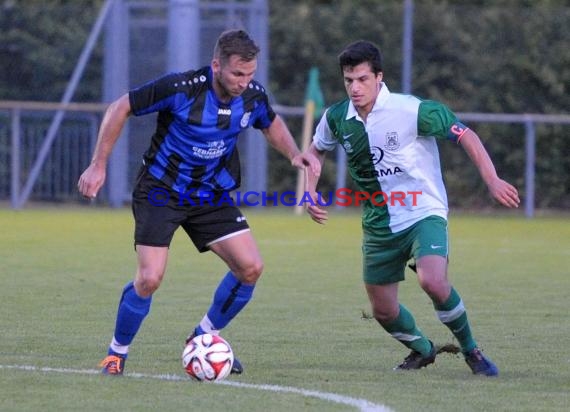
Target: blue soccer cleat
[480,364]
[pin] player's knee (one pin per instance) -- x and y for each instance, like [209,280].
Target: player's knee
[385,315]
[436,290]
[251,272]
[147,282]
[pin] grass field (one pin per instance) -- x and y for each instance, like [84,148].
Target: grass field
[302,340]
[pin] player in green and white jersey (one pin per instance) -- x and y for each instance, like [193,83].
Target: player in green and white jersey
[392,155]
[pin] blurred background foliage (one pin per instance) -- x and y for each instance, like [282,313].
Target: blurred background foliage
[40,43]
[475,56]
[500,56]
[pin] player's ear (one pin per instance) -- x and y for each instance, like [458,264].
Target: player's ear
[216,66]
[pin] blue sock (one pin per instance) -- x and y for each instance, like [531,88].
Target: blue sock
[132,311]
[230,298]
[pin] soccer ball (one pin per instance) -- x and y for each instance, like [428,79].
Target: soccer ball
[208,358]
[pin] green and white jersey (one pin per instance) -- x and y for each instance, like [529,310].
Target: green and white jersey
[393,156]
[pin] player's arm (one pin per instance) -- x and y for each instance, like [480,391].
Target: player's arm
[323,141]
[112,124]
[317,213]
[279,136]
[436,119]
[502,191]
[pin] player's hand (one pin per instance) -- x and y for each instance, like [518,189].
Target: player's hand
[91,181]
[504,193]
[317,213]
[306,159]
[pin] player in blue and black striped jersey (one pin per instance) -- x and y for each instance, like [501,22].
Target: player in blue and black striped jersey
[187,173]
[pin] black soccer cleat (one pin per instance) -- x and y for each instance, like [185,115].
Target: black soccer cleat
[190,337]
[415,360]
[237,369]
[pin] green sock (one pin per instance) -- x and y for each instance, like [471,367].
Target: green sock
[404,329]
[453,315]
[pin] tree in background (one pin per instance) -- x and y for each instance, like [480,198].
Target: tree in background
[502,56]
[498,56]
[40,43]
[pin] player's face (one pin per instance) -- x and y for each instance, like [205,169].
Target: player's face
[232,77]
[362,86]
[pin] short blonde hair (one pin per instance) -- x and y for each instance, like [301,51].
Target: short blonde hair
[235,42]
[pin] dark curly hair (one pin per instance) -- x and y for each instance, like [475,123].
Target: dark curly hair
[361,51]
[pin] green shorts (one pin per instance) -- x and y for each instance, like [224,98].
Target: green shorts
[385,255]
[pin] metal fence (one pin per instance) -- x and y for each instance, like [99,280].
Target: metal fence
[135,34]
[24,125]
[23,130]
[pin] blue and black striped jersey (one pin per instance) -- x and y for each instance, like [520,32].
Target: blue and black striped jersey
[194,145]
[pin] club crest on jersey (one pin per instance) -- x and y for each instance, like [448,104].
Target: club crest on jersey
[245,119]
[392,142]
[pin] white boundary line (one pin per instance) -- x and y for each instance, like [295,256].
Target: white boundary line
[361,404]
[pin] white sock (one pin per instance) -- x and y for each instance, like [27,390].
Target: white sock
[118,348]
[206,325]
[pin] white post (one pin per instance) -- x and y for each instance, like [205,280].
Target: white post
[183,35]
[115,84]
[530,161]
[407,46]
[15,158]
